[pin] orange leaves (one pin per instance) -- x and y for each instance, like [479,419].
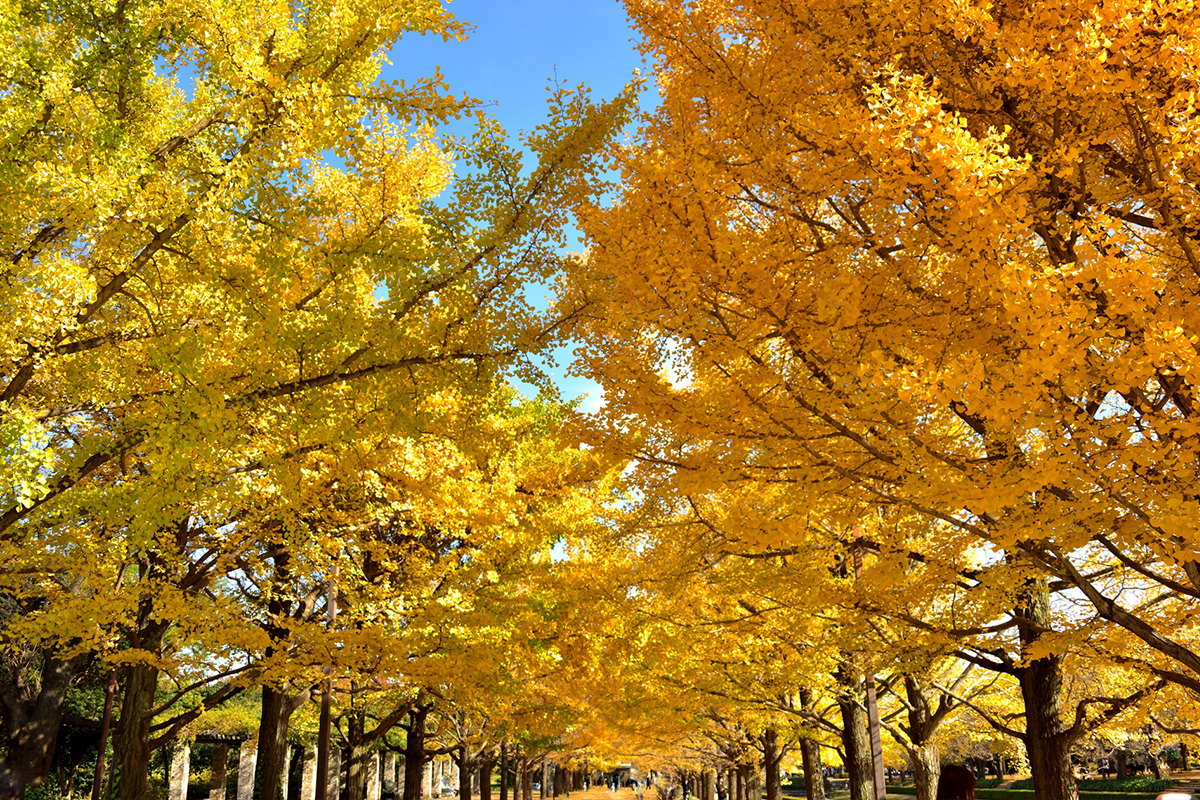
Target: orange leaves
[922,260]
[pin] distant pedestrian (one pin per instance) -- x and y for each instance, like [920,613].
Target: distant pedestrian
[957,783]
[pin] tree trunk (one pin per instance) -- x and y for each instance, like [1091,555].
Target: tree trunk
[32,726]
[1122,759]
[105,724]
[927,768]
[856,739]
[354,757]
[414,753]
[753,783]
[464,774]
[485,778]
[1047,740]
[750,782]
[296,786]
[771,759]
[924,752]
[1159,765]
[814,775]
[272,744]
[277,706]
[132,736]
[503,772]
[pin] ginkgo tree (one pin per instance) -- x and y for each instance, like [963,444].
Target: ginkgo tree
[230,255]
[934,258]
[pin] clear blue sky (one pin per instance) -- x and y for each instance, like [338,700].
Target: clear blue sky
[515,49]
[518,44]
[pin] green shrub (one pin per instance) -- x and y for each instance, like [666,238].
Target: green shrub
[1140,783]
[908,788]
[1142,790]
[1028,794]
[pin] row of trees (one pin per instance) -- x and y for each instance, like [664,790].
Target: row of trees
[257,430]
[896,315]
[893,313]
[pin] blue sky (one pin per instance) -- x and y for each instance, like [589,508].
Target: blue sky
[515,49]
[517,45]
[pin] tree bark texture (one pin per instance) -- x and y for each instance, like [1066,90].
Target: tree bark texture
[856,740]
[1047,740]
[132,736]
[32,723]
[464,774]
[771,759]
[927,769]
[485,778]
[503,772]
[814,775]
[414,753]
[272,744]
[355,756]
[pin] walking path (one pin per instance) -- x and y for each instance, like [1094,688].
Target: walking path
[595,793]
[1189,781]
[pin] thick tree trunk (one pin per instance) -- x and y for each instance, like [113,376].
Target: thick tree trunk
[272,744]
[771,759]
[464,774]
[753,783]
[277,706]
[354,757]
[927,768]
[814,775]
[31,727]
[131,741]
[856,740]
[414,754]
[485,778]
[1047,739]
[925,754]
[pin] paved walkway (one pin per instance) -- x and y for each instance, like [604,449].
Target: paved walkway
[601,793]
[595,793]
